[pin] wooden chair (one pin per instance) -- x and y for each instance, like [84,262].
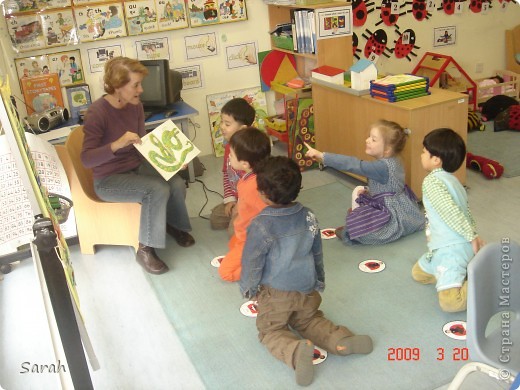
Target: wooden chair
[513,49]
[97,222]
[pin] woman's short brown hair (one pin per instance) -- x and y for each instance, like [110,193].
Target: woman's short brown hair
[117,72]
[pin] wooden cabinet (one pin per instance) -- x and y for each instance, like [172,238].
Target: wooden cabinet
[342,121]
[335,52]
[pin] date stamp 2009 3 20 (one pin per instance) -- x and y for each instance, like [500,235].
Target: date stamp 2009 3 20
[414,354]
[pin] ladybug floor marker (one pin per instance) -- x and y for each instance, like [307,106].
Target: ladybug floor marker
[455,330]
[216,261]
[319,355]
[328,233]
[372,266]
[249,309]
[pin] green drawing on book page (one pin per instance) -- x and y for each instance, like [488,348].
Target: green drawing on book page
[168,149]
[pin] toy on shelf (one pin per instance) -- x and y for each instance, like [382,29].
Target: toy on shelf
[444,72]
[491,169]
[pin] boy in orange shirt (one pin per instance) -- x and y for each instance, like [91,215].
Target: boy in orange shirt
[248,147]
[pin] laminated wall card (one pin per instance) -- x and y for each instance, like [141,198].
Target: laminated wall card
[171,14]
[202,13]
[15,6]
[141,17]
[232,11]
[167,149]
[68,65]
[26,32]
[42,92]
[31,66]
[59,28]
[100,21]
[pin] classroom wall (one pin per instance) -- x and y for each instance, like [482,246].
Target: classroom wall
[480,39]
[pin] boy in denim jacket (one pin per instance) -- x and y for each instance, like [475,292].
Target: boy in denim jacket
[282,268]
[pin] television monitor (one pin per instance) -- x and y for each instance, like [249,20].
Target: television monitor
[162,85]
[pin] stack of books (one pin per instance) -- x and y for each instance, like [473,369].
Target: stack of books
[303,30]
[399,87]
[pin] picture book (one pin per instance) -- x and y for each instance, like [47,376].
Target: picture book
[167,149]
[42,92]
[78,97]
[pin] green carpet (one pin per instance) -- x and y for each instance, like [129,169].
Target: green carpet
[389,306]
[500,146]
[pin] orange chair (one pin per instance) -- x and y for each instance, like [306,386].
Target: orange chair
[97,222]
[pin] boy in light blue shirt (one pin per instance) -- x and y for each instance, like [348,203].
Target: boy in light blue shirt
[450,229]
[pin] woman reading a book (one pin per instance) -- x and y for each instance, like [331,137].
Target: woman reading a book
[113,124]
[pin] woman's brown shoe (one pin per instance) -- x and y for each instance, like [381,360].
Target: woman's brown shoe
[148,259]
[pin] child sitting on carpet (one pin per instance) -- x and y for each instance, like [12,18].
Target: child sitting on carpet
[450,230]
[248,147]
[283,263]
[236,114]
[387,209]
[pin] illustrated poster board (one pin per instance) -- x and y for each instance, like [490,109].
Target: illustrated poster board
[59,28]
[171,14]
[167,149]
[141,17]
[214,102]
[333,22]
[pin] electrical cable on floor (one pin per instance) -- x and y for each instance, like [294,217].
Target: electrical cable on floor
[205,188]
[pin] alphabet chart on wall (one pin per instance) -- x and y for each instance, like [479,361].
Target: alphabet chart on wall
[17,217]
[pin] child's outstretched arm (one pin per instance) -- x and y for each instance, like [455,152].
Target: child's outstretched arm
[376,170]
[313,153]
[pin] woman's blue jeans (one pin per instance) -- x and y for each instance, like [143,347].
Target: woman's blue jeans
[161,201]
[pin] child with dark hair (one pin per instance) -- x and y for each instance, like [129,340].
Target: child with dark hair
[236,114]
[248,147]
[282,268]
[450,230]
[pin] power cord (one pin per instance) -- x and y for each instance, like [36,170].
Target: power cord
[205,188]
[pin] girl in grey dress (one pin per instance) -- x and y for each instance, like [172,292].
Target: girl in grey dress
[386,209]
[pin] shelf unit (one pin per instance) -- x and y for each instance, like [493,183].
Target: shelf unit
[335,52]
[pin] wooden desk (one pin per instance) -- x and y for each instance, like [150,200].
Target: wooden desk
[342,122]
